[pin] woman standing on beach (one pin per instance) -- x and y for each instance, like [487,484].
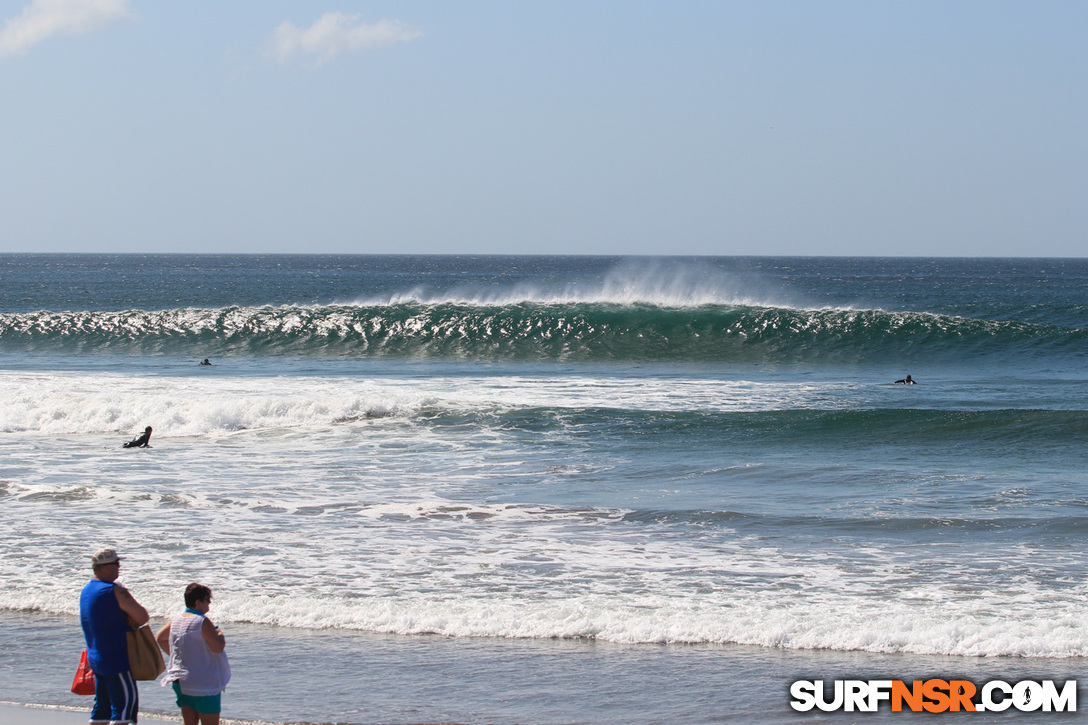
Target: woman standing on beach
[198,666]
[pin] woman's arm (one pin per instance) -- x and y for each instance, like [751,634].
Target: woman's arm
[212,636]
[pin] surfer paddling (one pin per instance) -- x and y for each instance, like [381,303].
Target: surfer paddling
[905,381]
[143,441]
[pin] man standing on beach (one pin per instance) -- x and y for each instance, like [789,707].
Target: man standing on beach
[105,609]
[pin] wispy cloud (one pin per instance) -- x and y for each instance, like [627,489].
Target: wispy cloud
[335,33]
[42,19]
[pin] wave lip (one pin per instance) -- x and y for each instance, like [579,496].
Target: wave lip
[536,330]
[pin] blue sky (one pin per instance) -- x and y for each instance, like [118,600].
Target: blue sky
[591,127]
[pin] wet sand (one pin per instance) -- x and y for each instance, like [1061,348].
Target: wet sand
[50,715]
[39,715]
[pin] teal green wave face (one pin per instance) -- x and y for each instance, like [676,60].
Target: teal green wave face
[541,332]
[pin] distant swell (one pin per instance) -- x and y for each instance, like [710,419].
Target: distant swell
[536,331]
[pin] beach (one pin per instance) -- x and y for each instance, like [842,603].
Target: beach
[550,489]
[43,715]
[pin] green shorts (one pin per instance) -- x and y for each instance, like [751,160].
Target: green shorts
[206,704]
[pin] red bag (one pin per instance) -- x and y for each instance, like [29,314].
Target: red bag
[83,684]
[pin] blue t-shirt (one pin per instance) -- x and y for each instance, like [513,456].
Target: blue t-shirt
[104,628]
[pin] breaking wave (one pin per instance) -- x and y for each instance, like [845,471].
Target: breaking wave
[534,331]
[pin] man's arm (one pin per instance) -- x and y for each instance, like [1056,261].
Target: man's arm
[130,606]
[163,638]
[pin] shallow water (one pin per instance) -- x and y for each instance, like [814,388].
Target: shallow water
[286,674]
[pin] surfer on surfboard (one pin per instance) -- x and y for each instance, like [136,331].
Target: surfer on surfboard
[905,381]
[143,441]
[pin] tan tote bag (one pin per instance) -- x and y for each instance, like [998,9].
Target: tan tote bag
[144,657]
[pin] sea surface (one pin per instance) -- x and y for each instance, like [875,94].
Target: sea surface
[550,489]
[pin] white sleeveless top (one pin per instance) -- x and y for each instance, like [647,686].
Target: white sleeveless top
[197,670]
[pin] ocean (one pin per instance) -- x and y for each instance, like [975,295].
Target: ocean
[536,489]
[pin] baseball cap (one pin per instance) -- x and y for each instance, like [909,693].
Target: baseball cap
[104,556]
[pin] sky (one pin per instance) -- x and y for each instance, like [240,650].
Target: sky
[640,127]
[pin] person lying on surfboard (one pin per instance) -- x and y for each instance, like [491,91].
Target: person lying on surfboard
[143,441]
[905,381]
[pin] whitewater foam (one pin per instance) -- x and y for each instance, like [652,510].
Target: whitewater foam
[71,403]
